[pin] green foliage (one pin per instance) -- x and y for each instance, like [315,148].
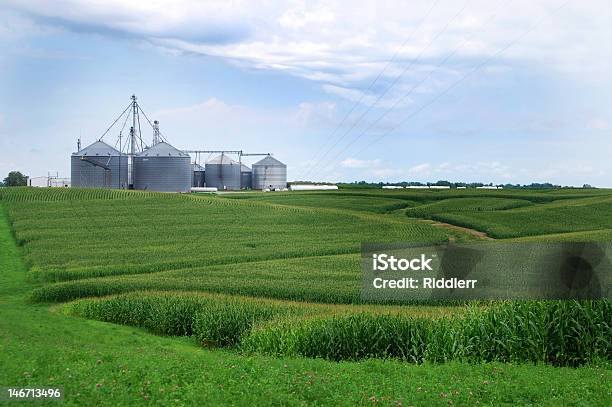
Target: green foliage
[560,333]
[110,365]
[108,232]
[575,215]
[15,179]
[376,204]
[465,205]
[224,324]
[302,247]
[213,319]
[331,279]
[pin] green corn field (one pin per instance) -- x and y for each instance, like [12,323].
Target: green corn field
[278,275]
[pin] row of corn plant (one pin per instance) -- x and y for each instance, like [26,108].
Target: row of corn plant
[214,320]
[560,333]
[88,234]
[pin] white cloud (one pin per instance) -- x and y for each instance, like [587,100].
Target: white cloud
[14,27]
[342,43]
[302,16]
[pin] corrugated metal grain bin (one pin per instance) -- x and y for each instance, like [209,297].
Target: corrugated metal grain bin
[223,173]
[246,177]
[163,168]
[198,176]
[269,173]
[99,166]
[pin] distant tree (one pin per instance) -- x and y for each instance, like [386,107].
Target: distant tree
[587,186]
[16,179]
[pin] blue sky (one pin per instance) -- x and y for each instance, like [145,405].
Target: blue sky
[282,77]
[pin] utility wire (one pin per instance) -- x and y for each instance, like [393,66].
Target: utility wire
[116,120]
[393,83]
[464,77]
[442,62]
[375,81]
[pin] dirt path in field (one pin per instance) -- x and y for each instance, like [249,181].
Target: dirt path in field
[473,232]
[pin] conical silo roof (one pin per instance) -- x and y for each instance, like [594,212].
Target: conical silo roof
[244,168]
[198,167]
[222,159]
[98,148]
[162,149]
[269,161]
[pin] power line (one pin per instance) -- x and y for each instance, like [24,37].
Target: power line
[393,83]
[380,74]
[423,80]
[464,77]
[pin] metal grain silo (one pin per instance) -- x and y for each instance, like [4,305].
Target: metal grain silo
[162,168]
[198,176]
[99,166]
[246,177]
[223,173]
[269,173]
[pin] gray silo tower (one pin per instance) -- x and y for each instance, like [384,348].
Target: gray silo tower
[163,168]
[246,177]
[198,175]
[269,173]
[99,166]
[223,173]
